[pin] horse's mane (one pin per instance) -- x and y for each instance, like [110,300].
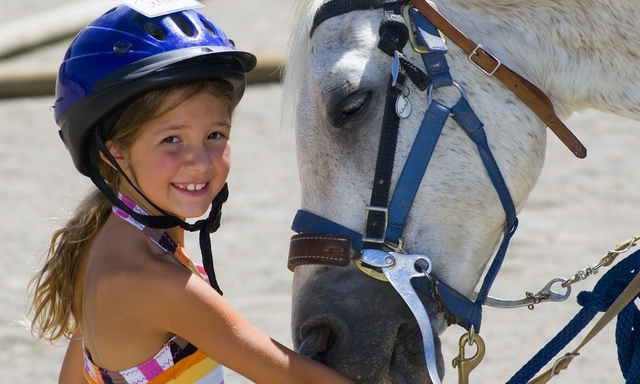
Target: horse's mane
[297,53]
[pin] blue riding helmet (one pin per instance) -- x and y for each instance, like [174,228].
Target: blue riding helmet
[123,54]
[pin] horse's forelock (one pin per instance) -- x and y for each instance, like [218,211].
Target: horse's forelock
[297,53]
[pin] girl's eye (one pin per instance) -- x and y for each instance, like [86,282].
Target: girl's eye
[170,140]
[216,136]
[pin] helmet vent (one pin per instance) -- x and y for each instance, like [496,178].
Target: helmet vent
[184,25]
[209,28]
[155,31]
[121,48]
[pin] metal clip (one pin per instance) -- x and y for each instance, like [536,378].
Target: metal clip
[466,365]
[548,294]
[545,294]
[560,363]
[417,47]
[385,211]
[463,94]
[475,52]
[398,76]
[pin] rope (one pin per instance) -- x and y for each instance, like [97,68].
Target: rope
[604,294]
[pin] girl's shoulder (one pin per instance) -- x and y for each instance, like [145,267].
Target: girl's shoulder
[131,267]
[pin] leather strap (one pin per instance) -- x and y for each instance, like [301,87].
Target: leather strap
[319,248]
[532,96]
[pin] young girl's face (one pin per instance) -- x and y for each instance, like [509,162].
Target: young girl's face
[181,159]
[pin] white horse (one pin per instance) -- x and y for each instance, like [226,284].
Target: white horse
[582,54]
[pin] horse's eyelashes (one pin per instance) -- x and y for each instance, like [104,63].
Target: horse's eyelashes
[350,106]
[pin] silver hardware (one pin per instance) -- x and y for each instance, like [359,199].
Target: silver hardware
[604,262]
[378,258]
[545,294]
[367,210]
[463,94]
[475,52]
[399,275]
[568,355]
[398,76]
[403,105]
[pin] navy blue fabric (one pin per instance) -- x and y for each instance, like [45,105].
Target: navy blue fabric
[415,166]
[466,312]
[473,127]
[307,222]
[435,61]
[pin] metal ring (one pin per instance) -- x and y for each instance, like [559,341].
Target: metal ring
[463,94]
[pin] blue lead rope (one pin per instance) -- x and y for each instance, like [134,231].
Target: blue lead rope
[600,299]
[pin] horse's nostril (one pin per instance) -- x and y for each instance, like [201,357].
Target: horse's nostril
[313,342]
[324,341]
[321,335]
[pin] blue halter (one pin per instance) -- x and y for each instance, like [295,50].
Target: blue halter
[463,311]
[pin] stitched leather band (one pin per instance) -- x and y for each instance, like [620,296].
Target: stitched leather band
[319,248]
[532,96]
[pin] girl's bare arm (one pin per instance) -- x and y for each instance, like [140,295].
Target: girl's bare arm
[73,363]
[197,313]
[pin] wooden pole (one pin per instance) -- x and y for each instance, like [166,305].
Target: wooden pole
[39,80]
[41,28]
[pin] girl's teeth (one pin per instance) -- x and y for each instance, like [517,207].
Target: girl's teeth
[194,187]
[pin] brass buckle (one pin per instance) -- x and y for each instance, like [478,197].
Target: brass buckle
[370,271]
[417,47]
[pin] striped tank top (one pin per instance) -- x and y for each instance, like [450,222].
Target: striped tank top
[178,362]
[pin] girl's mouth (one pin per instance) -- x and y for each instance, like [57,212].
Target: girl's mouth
[191,187]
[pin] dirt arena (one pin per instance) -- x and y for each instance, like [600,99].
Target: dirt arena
[578,211]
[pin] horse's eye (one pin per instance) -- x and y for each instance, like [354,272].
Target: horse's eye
[349,107]
[353,105]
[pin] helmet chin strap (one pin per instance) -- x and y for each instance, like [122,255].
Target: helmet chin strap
[166,220]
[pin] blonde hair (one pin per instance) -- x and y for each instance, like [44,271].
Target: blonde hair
[51,289]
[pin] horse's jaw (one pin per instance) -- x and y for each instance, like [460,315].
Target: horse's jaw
[369,335]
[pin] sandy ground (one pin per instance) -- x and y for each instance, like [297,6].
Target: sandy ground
[579,210]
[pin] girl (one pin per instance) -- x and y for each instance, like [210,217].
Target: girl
[144,106]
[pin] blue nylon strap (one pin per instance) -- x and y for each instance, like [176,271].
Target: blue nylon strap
[414,168]
[492,273]
[466,312]
[473,127]
[307,222]
[435,61]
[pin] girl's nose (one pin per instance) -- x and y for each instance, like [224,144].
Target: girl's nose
[200,157]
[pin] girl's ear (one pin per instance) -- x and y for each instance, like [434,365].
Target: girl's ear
[117,154]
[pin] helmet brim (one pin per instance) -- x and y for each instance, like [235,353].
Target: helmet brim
[113,92]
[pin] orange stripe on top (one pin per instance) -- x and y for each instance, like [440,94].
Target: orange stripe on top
[187,370]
